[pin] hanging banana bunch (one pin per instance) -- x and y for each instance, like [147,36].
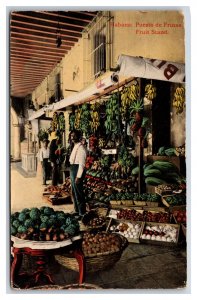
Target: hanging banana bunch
[134,92]
[128,95]
[95,119]
[179,100]
[54,122]
[77,118]
[101,142]
[71,121]
[150,91]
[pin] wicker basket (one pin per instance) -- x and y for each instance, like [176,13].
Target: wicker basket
[83,286]
[97,262]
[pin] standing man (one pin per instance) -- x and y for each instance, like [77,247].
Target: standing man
[54,157]
[44,159]
[77,172]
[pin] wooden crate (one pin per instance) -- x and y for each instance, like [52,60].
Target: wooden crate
[162,243]
[117,222]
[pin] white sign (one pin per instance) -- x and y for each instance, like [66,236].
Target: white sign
[151,68]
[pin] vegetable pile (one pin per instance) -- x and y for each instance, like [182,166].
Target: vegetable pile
[179,199]
[43,224]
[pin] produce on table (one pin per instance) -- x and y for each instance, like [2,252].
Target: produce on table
[130,214]
[180,216]
[160,232]
[178,199]
[165,151]
[161,172]
[61,191]
[100,243]
[159,217]
[43,224]
[128,230]
[93,219]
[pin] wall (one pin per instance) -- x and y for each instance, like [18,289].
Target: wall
[126,40]
[71,72]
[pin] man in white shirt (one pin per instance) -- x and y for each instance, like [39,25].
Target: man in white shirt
[77,172]
[44,158]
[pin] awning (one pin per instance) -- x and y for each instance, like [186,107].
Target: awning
[37,114]
[151,68]
[95,88]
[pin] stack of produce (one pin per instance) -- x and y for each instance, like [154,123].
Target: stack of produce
[89,162]
[59,191]
[93,219]
[130,214]
[173,200]
[161,172]
[43,224]
[100,243]
[180,216]
[159,217]
[128,230]
[164,233]
[166,151]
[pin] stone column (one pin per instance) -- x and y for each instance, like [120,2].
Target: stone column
[16,134]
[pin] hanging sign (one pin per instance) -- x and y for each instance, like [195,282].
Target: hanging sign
[151,68]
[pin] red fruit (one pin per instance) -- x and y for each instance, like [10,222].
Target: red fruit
[184,219]
[179,219]
[142,131]
[138,117]
[135,127]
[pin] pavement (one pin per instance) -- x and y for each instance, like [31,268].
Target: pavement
[141,266]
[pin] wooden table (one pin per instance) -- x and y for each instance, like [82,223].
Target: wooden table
[41,262]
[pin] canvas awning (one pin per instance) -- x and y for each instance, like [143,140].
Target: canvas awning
[151,68]
[95,88]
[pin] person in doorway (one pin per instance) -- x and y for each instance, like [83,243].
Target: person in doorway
[55,160]
[44,159]
[77,173]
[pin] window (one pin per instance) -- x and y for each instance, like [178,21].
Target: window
[97,47]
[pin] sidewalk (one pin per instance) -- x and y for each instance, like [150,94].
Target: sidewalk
[27,192]
[140,267]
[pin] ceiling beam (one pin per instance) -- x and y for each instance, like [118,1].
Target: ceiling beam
[62,16]
[38,37]
[35,58]
[43,32]
[25,67]
[36,52]
[79,27]
[32,46]
[33,62]
[93,14]
[35,41]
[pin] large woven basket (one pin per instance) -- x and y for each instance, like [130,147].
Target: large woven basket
[82,286]
[98,262]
